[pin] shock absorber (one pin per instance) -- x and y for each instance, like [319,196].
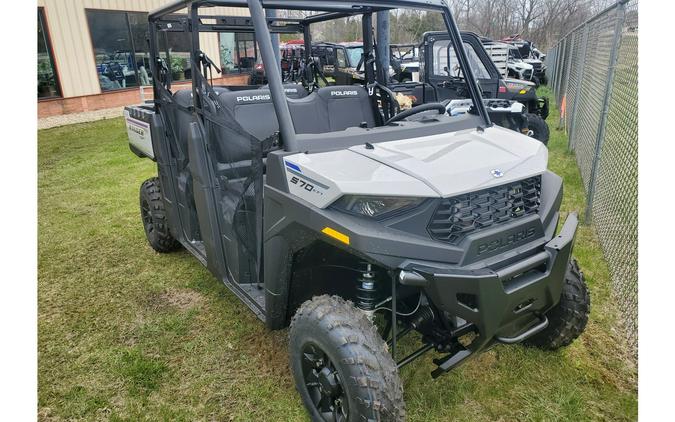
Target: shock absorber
[423,316]
[366,291]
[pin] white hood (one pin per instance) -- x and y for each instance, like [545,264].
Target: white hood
[442,165]
[464,161]
[521,65]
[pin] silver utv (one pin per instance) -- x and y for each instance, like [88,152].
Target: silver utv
[329,210]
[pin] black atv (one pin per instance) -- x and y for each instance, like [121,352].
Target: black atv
[439,82]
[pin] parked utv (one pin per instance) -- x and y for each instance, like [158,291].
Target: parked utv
[291,55]
[342,61]
[405,59]
[529,54]
[505,98]
[523,91]
[330,210]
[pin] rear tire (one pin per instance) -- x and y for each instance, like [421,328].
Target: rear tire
[153,216]
[568,319]
[539,128]
[341,366]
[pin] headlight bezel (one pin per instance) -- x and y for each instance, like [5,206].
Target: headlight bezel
[392,205]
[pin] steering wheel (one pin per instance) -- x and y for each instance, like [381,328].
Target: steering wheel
[416,110]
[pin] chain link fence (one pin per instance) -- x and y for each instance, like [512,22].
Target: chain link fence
[594,76]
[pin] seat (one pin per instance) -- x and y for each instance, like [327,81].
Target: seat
[328,109]
[331,109]
[183,118]
[254,111]
[347,106]
[295,91]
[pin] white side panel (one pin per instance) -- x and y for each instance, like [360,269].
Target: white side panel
[322,178]
[139,135]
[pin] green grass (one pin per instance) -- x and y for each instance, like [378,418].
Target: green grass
[129,334]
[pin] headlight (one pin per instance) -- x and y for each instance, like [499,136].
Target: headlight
[375,206]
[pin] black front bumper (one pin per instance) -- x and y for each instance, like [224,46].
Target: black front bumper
[506,304]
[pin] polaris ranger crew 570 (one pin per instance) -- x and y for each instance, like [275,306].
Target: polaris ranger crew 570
[330,210]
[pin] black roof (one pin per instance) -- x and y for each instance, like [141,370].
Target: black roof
[346,7]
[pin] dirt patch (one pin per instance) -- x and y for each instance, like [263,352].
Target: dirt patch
[181,299]
[84,117]
[45,415]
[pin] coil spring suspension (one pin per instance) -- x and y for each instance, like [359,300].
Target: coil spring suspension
[366,291]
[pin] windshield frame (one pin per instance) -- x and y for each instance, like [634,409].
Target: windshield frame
[517,56]
[405,53]
[350,55]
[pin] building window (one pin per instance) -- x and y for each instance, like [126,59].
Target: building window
[179,55]
[138,24]
[48,86]
[122,52]
[238,52]
[113,49]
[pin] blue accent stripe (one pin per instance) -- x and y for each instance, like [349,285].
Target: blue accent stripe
[292,166]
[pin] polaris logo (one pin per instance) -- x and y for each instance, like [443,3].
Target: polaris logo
[248,98]
[506,241]
[343,93]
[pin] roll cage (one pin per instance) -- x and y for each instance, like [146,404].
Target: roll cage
[166,19]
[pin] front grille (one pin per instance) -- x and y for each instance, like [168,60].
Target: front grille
[457,217]
[536,66]
[527,74]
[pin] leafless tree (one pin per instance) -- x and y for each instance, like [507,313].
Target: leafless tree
[542,21]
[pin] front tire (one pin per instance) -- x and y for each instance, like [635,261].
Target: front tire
[153,215]
[568,319]
[341,366]
[539,128]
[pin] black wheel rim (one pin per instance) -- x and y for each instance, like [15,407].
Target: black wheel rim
[146,216]
[324,384]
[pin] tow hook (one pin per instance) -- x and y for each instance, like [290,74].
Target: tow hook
[529,333]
